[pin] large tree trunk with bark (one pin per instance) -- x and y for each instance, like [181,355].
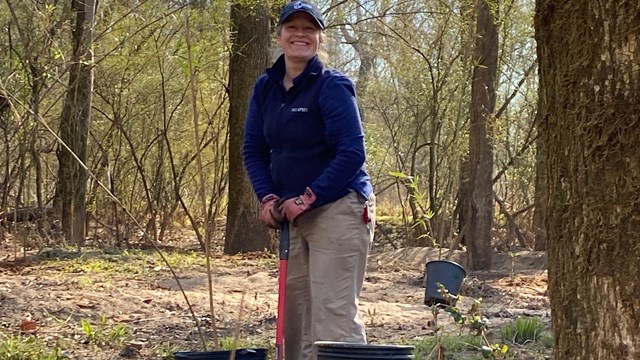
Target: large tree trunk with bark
[250,55]
[590,70]
[74,126]
[539,227]
[479,215]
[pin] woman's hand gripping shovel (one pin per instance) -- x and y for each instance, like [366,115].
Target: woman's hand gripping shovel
[282,289]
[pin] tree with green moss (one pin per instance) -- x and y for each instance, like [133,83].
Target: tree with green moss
[589,57]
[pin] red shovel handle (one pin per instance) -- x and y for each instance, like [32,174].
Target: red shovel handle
[282,290]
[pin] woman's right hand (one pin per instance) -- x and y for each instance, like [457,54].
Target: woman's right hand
[269,212]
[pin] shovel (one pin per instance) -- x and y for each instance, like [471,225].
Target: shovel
[282,289]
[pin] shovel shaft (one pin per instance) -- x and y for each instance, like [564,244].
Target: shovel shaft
[282,294]
[284,241]
[282,290]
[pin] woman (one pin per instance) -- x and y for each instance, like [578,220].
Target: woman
[304,153]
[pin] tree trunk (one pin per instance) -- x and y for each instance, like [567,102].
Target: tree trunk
[539,228]
[74,126]
[5,116]
[589,58]
[479,216]
[250,55]
[462,205]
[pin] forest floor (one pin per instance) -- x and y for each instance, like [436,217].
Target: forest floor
[98,304]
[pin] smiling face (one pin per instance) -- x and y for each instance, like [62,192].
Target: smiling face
[299,37]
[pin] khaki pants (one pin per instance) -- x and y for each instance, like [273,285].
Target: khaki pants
[327,262]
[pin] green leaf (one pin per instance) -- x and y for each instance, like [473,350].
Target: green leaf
[86,327]
[398,174]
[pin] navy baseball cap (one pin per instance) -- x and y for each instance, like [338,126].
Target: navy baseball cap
[301,6]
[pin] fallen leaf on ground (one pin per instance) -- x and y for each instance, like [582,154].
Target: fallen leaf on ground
[28,326]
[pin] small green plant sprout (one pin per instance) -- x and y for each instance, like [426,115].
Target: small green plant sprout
[473,321]
[373,316]
[166,351]
[118,334]
[522,331]
[89,332]
[101,334]
[438,350]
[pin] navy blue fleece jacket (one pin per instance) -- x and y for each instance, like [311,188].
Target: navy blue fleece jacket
[309,136]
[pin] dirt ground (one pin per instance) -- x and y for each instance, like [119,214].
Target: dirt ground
[54,290]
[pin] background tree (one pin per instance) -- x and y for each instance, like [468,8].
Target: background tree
[589,58]
[249,56]
[74,125]
[35,47]
[483,99]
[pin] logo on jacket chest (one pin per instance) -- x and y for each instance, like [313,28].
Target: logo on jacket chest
[299,109]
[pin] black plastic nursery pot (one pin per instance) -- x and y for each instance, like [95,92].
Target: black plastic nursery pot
[241,354]
[330,350]
[447,273]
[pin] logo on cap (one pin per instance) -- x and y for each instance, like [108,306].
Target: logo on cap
[299,5]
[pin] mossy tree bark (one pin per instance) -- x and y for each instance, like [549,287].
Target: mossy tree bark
[250,55]
[589,54]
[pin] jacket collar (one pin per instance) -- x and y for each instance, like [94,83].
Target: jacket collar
[277,71]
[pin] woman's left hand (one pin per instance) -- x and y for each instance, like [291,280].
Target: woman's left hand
[294,207]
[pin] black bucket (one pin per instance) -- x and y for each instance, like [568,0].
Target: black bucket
[241,354]
[330,350]
[447,273]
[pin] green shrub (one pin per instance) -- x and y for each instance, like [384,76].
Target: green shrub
[522,331]
[20,347]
